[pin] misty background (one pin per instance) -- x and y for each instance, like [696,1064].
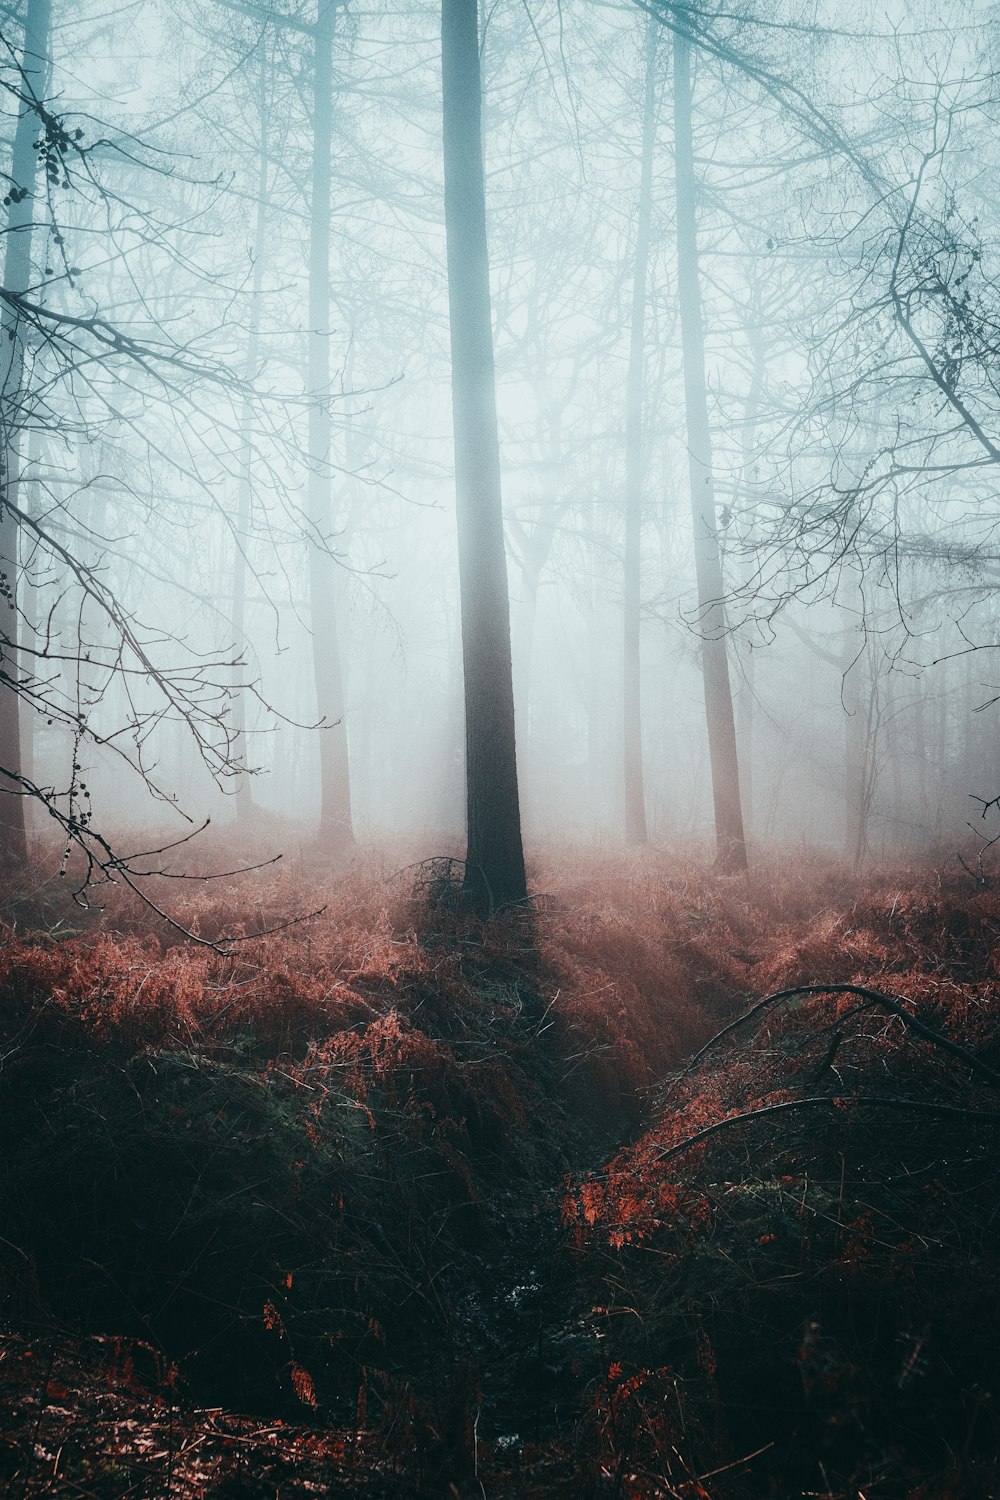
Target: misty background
[847,222]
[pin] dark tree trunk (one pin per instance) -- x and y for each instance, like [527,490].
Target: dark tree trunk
[494,871]
[16,278]
[335,786]
[635,800]
[730,842]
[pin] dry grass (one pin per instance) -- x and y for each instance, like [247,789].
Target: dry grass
[326,1169]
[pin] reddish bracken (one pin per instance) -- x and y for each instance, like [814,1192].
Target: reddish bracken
[341,1167]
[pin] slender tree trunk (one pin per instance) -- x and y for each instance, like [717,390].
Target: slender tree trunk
[16,278]
[635,799]
[894,749]
[29,607]
[534,548]
[746,689]
[921,749]
[363,720]
[525,621]
[730,842]
[942,748]
[494,871]
[244,795]
[530,754]
[855,736]
[870,761]
[970,770]
[746,699]
[335,787]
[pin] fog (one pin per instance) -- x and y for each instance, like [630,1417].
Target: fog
[223,495]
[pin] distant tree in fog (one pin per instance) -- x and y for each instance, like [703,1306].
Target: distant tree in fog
[336,830]
[335,784]
[712,626]
[28,91]
[635,799]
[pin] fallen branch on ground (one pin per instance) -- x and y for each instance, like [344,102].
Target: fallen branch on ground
[833,1101]
[873,997]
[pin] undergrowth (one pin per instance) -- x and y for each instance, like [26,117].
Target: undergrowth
[446,1196]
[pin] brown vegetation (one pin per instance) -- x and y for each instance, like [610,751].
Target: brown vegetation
[364,1179]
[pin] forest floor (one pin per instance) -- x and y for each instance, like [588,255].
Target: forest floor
[388,1203]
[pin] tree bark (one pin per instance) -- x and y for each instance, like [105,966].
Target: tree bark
[335,786]
[635,800]
[494,870]
[16,278]
[730,843]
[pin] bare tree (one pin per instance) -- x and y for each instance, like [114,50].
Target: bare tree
[730,840]
[241,537]
[635,801]
[21,217]
[335,811]
[494,871]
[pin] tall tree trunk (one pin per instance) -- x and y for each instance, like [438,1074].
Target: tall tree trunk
[746,702]
[525,620]
[28,600]
[920,747]
[335,786]
[533,548]
[859,691]
[942,747]
[494,871]
[730,842]
[856,749]
[16,278]
[635,799]
[244,795]
[969,769]
[746,688]
[894,753]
